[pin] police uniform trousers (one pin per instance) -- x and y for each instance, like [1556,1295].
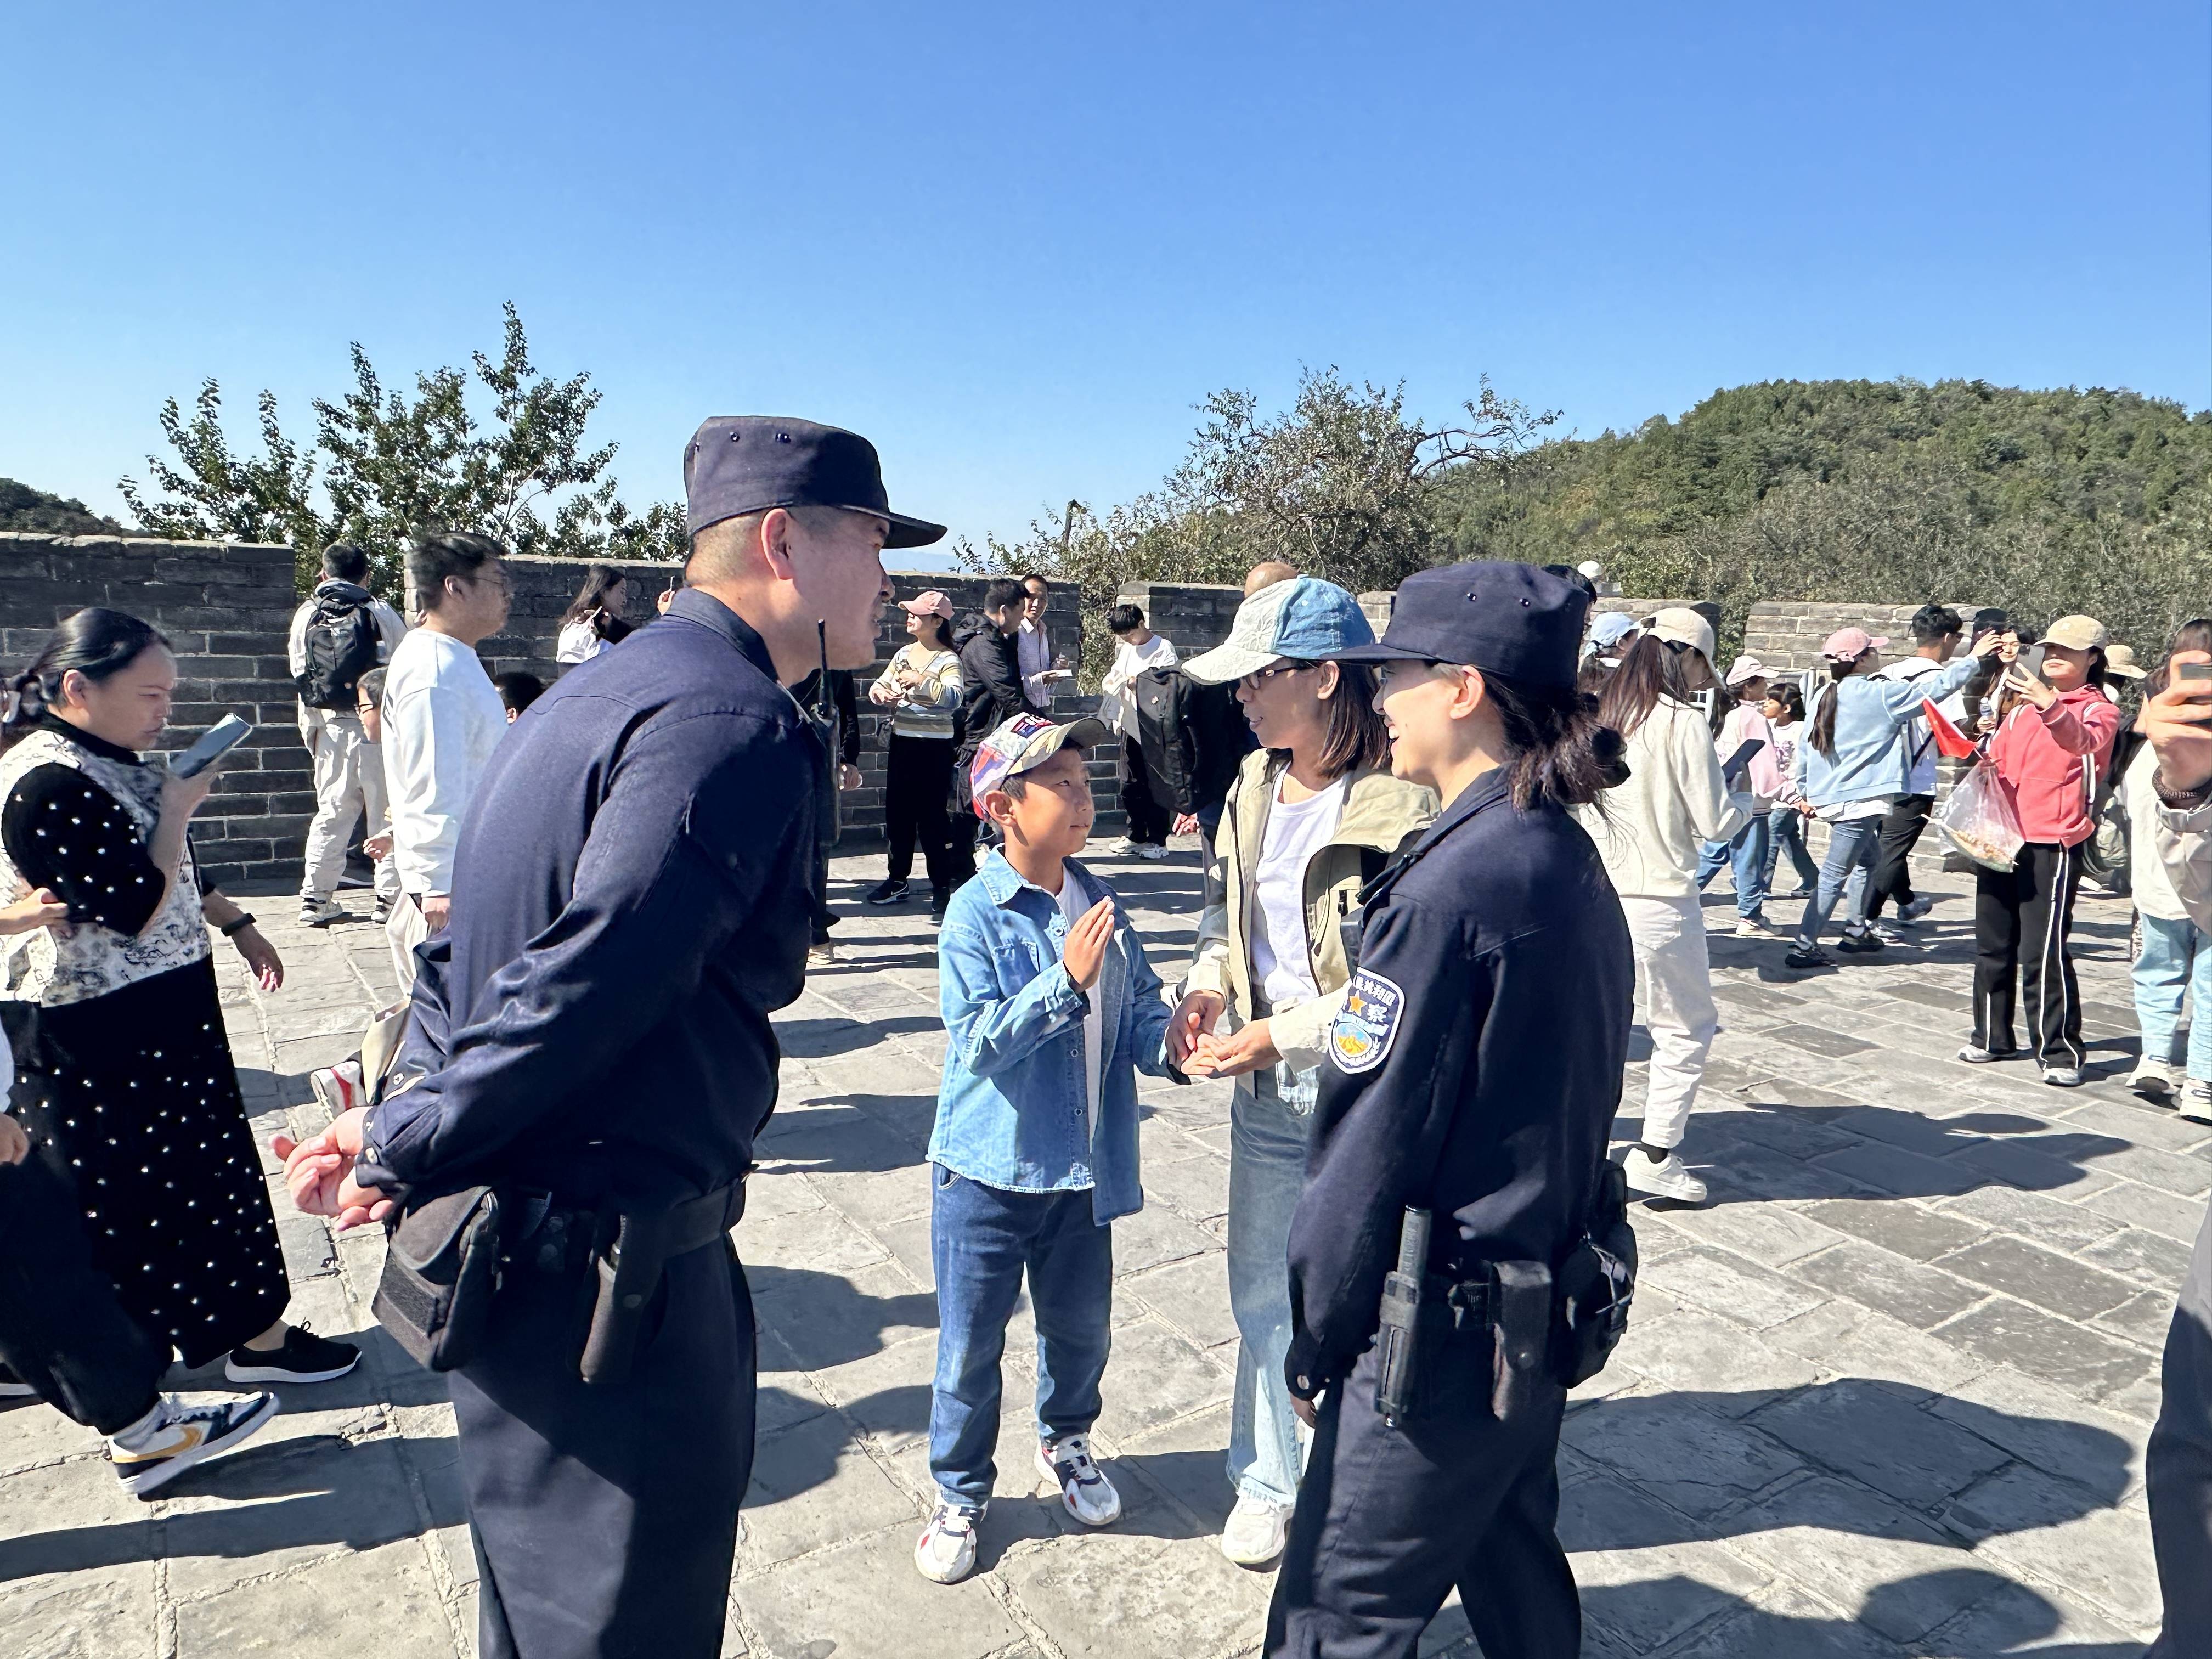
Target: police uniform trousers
[1390,1519]
[605,1515]
[2178,1467]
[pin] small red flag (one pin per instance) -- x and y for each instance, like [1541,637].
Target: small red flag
[1950,741]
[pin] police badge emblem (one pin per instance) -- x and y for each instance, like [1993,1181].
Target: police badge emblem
[1360,1040]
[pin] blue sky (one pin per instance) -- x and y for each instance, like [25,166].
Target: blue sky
[1015,244]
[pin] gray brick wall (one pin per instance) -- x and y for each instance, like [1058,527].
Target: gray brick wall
[1786,634]
[225,607]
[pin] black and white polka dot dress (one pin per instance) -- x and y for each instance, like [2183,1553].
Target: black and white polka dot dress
[125,1079]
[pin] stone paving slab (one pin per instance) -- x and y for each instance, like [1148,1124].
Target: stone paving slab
[1886,1395]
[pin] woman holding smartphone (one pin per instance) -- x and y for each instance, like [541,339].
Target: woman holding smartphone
[124,1080]
[2054,733]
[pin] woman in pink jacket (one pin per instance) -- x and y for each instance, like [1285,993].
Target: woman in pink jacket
[2052,740]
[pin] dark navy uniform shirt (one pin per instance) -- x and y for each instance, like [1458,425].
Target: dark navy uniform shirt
[630,901]
[1474,1072]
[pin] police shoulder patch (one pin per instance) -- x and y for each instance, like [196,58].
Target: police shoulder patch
[1360,1040]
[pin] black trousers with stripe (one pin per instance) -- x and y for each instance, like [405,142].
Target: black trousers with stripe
[2022,917]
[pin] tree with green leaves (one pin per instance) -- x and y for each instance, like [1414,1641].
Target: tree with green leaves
[385,463]
[1340,485]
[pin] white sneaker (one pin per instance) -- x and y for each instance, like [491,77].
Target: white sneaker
[1662,1177]
[320,913]
[1123,848]
[945,1554]
[2153,1080]
[338,1088]
[821,955]
[177,1434]
[1152,850]
[1084,1488]
[2196,1101]
[1754,927]
[1256,1531]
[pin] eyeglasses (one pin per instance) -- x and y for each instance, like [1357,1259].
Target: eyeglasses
[1262,677]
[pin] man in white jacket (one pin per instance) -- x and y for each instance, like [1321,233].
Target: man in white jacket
[442,719]
[348,622]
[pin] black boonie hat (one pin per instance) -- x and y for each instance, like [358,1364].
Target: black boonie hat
[738,464]
[1514,620]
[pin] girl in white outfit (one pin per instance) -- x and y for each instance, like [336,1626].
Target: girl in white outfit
[1649,833]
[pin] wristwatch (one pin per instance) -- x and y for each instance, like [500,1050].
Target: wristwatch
[233,929]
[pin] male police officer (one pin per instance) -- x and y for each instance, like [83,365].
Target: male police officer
[632,899]
[1471,1075]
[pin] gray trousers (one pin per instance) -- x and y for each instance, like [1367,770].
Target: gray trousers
[2178,1470]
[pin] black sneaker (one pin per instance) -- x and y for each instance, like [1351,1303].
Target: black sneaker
[183,1434]
[1854,943]
[305,1357]
[1809,956]
[937,909]
[886,892]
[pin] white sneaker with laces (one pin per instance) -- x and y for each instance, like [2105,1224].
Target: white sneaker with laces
[1662,1177]
[178,1433]
[2153,1080]
[320,913]
[1123,848]
[2195,1100]
[1256,1531]
[946,1553]
[1755,927]
[1084,1488]
[1152,850]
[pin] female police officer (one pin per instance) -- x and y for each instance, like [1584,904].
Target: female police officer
[1471,1075]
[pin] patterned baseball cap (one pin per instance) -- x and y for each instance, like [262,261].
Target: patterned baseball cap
[1022,742]
[1306,619]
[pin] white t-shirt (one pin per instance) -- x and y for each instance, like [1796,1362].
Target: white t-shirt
[442,719]
[1072,906]
[1296,832]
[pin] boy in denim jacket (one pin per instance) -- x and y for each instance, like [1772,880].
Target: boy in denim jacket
[1051,1009]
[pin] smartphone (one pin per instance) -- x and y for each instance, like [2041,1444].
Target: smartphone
[2198,672]
[1733,770]
[212,744]
[2030,659]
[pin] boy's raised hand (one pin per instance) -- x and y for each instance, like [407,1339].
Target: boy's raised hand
[1084,952]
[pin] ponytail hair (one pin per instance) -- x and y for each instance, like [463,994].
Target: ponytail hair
[1557,749]
[1822,737]
[97,643]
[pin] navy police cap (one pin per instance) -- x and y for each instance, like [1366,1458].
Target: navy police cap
[1513,620]
[738,464]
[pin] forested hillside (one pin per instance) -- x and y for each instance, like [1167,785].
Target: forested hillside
[24,508]
[1883,490]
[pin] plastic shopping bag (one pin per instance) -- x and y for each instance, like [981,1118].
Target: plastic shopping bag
[1980,820]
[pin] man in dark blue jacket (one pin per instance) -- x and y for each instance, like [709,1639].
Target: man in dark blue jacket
[634,895]
[1473,1074]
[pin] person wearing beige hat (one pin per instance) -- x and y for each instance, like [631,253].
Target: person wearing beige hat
[2055,732]
[921,687]
[1648,831]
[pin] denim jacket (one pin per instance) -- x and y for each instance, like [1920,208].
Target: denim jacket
[1013,1109]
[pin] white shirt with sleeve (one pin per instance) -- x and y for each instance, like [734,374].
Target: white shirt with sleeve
[579,642]
[1129,661]
[1653,826]
[1072,907]
[1295,831]
[1034,650]
[442,719]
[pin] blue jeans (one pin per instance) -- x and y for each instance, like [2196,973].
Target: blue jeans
[1851,846]
[1748,854]
[2176,956]
[1267,1142]
[981,1239]
[1787,831]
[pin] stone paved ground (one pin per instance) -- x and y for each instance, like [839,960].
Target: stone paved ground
[1886,1395]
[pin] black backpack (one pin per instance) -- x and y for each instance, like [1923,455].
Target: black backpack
[343,643]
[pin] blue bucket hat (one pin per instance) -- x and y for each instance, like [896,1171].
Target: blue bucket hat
[1306,619]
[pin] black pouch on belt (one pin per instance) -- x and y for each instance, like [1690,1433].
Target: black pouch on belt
[638,1246]
[1521,1330]
[440,1269]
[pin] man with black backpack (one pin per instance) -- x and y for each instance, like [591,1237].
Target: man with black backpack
[340,634]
